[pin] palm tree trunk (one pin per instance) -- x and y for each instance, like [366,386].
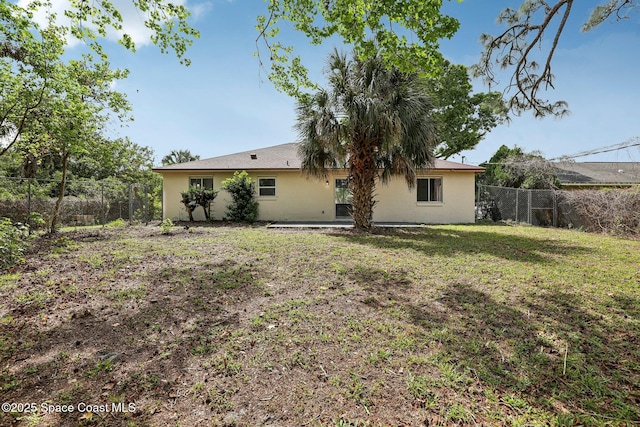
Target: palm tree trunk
[363,172]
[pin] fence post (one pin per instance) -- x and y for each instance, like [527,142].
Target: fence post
[130,204]
[517,203]
[529,207]
[555,208]
[475,211]
[29,204]
[102,202]
[147,210]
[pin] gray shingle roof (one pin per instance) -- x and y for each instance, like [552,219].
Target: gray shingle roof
[598,173]
[284,156]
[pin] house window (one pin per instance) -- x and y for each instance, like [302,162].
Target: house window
[201,182]
[430,190]
[266,187]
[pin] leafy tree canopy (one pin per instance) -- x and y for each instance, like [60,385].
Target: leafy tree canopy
[120,159]
[54,111]
[462,118]
[179,156]
[403,33]
[78,104]
[91,21]
[29,61]
[512,167]
[520,49]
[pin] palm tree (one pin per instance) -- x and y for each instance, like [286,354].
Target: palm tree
[179,156]
[373,120]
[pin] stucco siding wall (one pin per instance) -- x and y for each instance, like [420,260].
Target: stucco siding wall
[172,184]
[299,198]
[398,203]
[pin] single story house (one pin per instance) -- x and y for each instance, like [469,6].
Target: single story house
[581,175]
[444,193]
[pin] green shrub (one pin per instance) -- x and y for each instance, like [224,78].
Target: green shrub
[13,241]
[194,197]
[116,223]
[166,226]
[244,206]
[36,220]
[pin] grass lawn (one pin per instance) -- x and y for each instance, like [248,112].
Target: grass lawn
[445,325]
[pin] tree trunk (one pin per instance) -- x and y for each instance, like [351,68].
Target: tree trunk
[63,183]
[185,200]
[363,171]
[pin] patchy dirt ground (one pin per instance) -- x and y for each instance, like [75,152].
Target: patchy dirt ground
[242,326]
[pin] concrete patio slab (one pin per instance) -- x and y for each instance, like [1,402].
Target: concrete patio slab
[338,224]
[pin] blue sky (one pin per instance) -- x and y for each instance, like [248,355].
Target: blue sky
[223,102]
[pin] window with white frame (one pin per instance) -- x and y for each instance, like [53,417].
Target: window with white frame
[267,187]
[429,189]
[205,182]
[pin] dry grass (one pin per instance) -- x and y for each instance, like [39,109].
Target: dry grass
[449,325]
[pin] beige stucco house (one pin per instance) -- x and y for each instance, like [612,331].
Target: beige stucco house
[442,194]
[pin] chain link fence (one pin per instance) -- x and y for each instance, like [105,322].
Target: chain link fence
[537,207]
[32,201]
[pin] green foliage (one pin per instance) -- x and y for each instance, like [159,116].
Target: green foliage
[608,8]
[10,164]
[420,386]
[77,110]
[53,109]
[28,59]
[197,196]
[102,174]
[179,156]
[13,241]
[462,118]
[116,223]
[90,21]
[101,366]
[493,174]
[67,107]
[405,34]
[117,163]
[512,167]
[36,220]
[166,226]
[104,158]
[243,206]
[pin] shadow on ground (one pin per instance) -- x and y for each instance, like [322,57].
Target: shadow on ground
[544,352]
[449,242]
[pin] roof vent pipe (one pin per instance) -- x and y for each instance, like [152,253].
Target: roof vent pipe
[254,156]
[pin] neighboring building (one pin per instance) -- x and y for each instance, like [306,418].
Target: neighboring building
[574,175]
[442,194]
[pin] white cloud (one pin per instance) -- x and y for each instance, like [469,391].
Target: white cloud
[200,10]
[56,8]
